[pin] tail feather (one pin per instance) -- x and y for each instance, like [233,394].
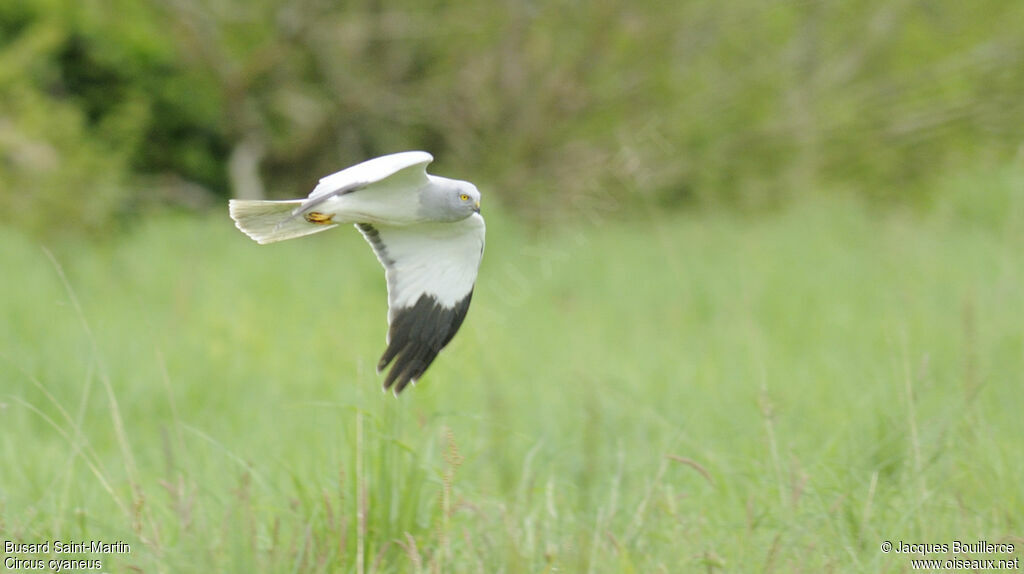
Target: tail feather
[270,221]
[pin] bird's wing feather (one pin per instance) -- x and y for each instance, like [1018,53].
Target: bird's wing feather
[431,270]
[409,166]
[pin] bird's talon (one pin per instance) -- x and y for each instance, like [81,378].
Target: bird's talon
[319,218]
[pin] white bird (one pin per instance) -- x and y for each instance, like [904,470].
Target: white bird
[426,230]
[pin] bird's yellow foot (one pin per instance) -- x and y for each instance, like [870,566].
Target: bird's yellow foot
[319,218]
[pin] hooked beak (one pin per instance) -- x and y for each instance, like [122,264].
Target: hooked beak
[476,207]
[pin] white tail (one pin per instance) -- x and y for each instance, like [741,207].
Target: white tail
[270,221]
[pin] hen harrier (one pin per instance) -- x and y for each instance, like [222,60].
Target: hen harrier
[427,232]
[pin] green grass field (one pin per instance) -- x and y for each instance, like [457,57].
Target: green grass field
[698,392]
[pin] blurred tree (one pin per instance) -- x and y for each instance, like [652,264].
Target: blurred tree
[109,107]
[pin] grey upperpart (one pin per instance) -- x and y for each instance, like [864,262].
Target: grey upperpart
[448,200]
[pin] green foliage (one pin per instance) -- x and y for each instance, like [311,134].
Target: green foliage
[84,87]
[675,393]
[547,105]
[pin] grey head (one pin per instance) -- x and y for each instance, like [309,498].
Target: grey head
[448,200]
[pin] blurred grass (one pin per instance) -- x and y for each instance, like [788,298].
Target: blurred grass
[842,375]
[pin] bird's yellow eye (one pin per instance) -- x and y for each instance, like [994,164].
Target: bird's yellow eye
[464,197]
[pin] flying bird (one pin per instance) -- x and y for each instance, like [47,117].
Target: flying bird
[426,230]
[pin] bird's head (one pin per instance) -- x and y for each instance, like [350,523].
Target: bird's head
[468,197]
[449,200]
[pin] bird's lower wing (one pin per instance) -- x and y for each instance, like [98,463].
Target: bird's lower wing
[431,270]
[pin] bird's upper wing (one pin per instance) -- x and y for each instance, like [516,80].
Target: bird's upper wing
[409,166]
[431,269]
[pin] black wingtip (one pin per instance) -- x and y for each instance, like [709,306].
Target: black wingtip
[417,334]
